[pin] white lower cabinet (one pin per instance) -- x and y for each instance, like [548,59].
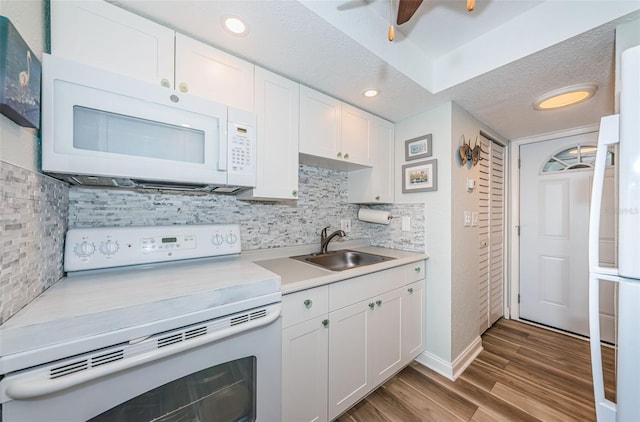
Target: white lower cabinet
[343,340]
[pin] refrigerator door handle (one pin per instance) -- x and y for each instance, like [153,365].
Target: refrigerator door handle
[609,134]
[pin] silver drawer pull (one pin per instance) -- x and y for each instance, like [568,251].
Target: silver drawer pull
[308,303]
[410,289]
[417,269]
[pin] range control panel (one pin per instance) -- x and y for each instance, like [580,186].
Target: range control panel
[105,247]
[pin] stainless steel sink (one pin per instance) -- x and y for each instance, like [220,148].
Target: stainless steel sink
[342,260]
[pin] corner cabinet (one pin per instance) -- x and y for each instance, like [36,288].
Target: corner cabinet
[277,109]
[375,185]
[337,350]
[333,134]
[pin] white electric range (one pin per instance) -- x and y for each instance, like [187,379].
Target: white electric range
[152,323]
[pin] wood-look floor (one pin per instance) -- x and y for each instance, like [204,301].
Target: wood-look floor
[524,373]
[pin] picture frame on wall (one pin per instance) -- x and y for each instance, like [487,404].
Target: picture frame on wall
[20,74]
[417,148]
[420,177]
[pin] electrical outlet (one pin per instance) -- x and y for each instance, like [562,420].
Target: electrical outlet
[345,225]
[406,223]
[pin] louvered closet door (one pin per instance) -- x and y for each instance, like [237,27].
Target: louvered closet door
[491,231]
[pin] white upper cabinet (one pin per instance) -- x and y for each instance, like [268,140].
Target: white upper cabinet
[213,74]
[103,35]
[100,34]
[333,134]
[356,135]
[320,124]
[375,185]
[277,108]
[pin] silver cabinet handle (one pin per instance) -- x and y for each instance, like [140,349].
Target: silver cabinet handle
[165,83]
[346,156]
[325,323]
[417,269]
[339,155]
[378,302]
[308,303]
[410,289]
[294,193]
[371,305]
[183,87]
[378,198]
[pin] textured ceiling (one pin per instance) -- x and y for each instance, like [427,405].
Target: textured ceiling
[487,61]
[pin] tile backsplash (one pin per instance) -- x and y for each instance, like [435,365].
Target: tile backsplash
[33,221]
[36,211]
[322,202]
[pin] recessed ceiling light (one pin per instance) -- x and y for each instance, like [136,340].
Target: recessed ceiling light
[371,93]
[566,96]
[235,25]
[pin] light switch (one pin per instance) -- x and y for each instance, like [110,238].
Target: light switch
[467,218]
[406,223]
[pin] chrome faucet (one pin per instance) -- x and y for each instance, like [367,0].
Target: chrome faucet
[324,239]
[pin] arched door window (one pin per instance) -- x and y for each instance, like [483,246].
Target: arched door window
[574,158]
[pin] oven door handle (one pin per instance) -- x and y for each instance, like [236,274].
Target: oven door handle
[39,384]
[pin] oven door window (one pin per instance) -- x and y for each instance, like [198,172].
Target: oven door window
[222,393]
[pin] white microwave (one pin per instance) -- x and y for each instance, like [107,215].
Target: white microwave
[104,129]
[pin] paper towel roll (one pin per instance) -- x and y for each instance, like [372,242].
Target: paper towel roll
[374,216]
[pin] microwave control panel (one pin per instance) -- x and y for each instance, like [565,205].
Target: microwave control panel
[242,148]
[105,247]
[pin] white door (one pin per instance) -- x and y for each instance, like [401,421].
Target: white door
[555,190]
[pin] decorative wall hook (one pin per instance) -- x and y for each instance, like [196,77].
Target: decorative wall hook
[475,153]
[465,151]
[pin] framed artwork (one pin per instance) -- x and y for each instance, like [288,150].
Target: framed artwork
[417,148]
[20,74]
[420,177]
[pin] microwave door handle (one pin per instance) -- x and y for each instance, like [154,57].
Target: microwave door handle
[223,142]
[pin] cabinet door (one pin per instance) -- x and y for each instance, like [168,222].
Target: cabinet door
[375,185]
[213,74]
[349,351]
[100,34]
[304,371]
[356,133]
[386,336]
[277,110]
[320,124]
[413,320]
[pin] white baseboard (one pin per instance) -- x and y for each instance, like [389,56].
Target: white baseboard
[457,367]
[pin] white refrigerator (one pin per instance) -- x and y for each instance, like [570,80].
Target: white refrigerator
[622,129]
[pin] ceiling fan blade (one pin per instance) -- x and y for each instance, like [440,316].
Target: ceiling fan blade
[406,9]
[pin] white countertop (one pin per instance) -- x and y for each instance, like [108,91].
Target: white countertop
[120,305]
[296,275]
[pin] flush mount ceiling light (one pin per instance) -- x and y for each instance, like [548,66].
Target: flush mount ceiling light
[235,25]
[566,96]
[370,93]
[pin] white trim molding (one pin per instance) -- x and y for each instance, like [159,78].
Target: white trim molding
[451,370]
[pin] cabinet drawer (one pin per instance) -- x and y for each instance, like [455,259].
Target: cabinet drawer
[414,272]
[302,306]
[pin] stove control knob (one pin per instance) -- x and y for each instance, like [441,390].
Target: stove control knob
[217,239]
[232,238]
[84,249]
[109,247]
